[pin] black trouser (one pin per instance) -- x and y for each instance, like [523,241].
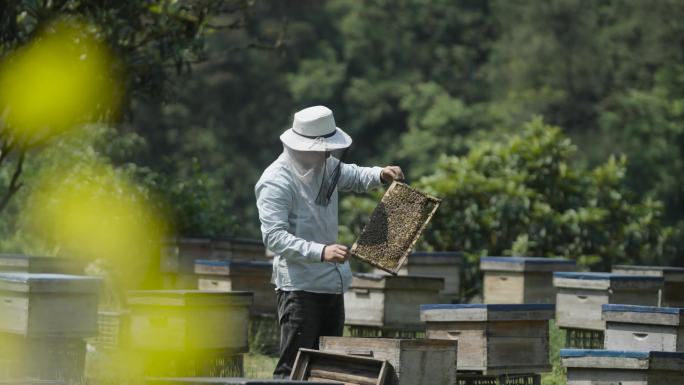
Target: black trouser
[304,316]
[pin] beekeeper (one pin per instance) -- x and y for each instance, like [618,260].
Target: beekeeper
[297,202]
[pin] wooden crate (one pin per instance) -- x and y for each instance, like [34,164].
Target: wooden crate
[314,365]
[238,249]
[517,280]
[38,264]
[412,361]
[113,329]
[229,381]
[54,305]
[442,264]
[579,296]
[491,338]
[646,328]
[43,358]
[672,293]
[394,227]
[604,367]
[498,379]
[254,276]
[189,320]
[389,301]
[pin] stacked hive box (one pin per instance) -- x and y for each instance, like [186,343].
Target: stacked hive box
[520,280]
[412,361]
[672,293]
[35,264]
[643,328]
[44,320]
[580,296]
[190,332]
[491,338]
[254,276]
[179,256]
[601,367]
[380,305]
[442,264]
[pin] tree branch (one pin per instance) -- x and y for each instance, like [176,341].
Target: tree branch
[14,185]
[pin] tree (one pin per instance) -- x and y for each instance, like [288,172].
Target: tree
[150,42]
[525,196]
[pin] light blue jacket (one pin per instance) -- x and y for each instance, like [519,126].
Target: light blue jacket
[296,230]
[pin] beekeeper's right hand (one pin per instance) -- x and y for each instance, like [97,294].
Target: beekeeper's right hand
[335,253]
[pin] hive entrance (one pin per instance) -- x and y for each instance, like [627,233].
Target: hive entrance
[394,227]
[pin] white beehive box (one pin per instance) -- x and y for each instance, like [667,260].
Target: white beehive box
[518,280]
[389,301]
[39,264]
[179,254]
[580,296]
[645,328]
[672,293]
[494,339]
[413,361]
[189,320]
[50,305]
[441,264]
[253,276]
[607,367]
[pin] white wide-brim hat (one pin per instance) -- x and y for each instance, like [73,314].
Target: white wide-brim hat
[314,129]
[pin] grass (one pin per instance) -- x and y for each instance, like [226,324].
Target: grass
[556,342]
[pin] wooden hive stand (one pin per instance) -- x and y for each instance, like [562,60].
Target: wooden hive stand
[579,297]
[516,280]
[672,293]
[228,381]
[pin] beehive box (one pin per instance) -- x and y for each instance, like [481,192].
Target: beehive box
[254,276]
[645,328]
[493,339]
[180,254]
[672,293]
[604,367]
[394,227]
[41,358]
[229,381]
[314,365]
[389,301]
[38,264]
[441,264]
[516,280]
[54,305]
[238,249]
[412,361]
[189,320]
[579,296]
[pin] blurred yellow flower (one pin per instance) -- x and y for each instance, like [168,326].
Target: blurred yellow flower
[62,78]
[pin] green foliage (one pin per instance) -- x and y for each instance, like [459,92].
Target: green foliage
[526,196]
